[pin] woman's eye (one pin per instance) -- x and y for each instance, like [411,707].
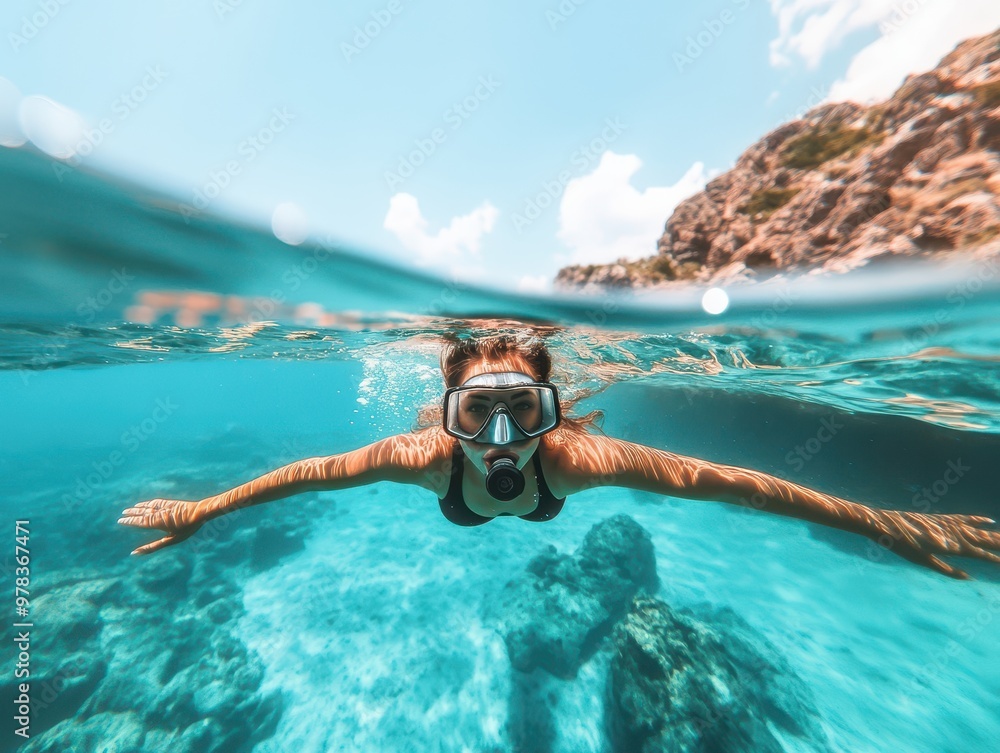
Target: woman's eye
[524,406]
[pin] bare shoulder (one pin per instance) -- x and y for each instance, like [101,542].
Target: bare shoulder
[568,459]
[580,460]
[422,458]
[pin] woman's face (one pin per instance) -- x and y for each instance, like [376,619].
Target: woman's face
[475,406]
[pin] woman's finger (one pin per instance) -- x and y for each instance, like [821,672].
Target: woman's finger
[973,519]
[154,545]
[149,520]
[134,520]
[154,504]
[988,539]
[982,554]
[943,567]
[147,507]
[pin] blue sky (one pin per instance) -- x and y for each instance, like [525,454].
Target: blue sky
[493,141]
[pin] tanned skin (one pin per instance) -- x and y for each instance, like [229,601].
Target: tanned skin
[574,461]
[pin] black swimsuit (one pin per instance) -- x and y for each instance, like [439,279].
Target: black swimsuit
[454,508]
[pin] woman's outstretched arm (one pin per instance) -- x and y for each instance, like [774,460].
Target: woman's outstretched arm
[406,458]
[391,459]
[918,537]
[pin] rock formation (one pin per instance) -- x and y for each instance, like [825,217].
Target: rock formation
[555,614]
[917,175]
[692,680]
[152,661]
[694,684]
[147,655]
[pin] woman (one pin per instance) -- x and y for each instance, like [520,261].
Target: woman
[503,415]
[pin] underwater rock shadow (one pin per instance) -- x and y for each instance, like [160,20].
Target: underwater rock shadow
[702,680]
[698,679]
[146,656]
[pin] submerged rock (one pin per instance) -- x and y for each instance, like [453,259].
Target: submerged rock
[165,575]
[701,681]
[555,615]
[66,659]
[274,540]
[149,660]
[101,733]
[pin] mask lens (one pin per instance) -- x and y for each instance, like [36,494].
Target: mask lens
[531,408]
[472,409]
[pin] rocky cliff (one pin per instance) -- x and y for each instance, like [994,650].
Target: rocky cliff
[916,175]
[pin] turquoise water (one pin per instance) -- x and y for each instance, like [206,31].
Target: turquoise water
[148,356]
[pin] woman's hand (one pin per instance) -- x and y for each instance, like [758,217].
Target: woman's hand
[919,537]
[177,517]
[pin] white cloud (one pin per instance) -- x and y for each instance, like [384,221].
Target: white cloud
[535,284]
[811,28]
[603,217]
[916,44]
[451,243]
[913,36]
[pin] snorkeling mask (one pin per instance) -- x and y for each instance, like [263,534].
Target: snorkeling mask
[501,408]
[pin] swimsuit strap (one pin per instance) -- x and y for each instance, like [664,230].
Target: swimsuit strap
[548,505]
[543,488]
[453,505]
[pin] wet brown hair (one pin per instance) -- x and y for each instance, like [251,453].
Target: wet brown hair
[458,354]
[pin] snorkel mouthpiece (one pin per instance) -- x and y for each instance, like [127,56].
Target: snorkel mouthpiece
[504,480]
